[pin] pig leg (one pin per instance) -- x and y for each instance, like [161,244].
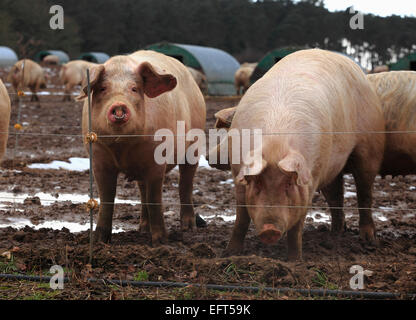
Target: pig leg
[241,225]
[67,93]
[364,170]
[34,95]
[34,90]
[334,195]
[186,177]
[154,208]
[364,184]
[106,179]
[144,217]
[294,241]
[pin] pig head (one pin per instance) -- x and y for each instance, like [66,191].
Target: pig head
[283,183]
[118,104]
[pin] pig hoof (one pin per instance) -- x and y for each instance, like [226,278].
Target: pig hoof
[101,235]
[231,252]
[188,224]
[159,241]
[200,223]
[338,228]
[295,257]
[368,234]
[144,228]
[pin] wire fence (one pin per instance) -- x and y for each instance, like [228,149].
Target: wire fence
[43,134]
[92,203]
[216,205]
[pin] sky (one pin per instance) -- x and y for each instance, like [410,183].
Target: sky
[377,7]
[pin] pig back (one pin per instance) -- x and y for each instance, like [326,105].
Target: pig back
[302,100]
[4,119]
[33,72]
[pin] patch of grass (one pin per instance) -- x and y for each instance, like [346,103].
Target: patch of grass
[231,270]
[42,295]
[186,293]
[322,280]
[141,276]
[8,266]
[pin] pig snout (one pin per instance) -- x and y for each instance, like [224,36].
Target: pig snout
[269,234]
[118,113]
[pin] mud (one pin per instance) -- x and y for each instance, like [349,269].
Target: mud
[51,131]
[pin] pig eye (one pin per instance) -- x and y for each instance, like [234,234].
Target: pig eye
[288,187]
[255,183]
[134,89]
[102,89]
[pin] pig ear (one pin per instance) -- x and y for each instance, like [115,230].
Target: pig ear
[155,82]
[95,75]
[224,117]
[294,164]
[254,167]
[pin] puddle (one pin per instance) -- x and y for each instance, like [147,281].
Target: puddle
[319,216]
[349,194]
[224,217]
[228,181]
[20,223]
[203,163]
[74,164]
[83,164]
[48,199]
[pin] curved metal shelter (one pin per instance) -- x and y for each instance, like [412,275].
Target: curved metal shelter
[7,57]
[63,56]
[218,66]
[269,60]
[96,57]
[406,63]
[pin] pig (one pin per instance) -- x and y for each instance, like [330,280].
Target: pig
[378,69]
[72,74]
[27,73]
[138,94]
[200,79]
[242,77]
[297,104]
[51,59]
[224,118]
[397,92]
[223,121]
[5,110]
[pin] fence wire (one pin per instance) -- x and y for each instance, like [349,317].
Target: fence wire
[211,205]
[208,205]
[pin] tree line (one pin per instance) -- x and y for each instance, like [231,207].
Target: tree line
[246,29]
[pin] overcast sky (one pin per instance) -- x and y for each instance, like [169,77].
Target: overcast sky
[377,7]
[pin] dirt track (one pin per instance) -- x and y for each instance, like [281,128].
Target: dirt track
[191,257]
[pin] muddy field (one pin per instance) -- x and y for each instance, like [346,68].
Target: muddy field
[40,210]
